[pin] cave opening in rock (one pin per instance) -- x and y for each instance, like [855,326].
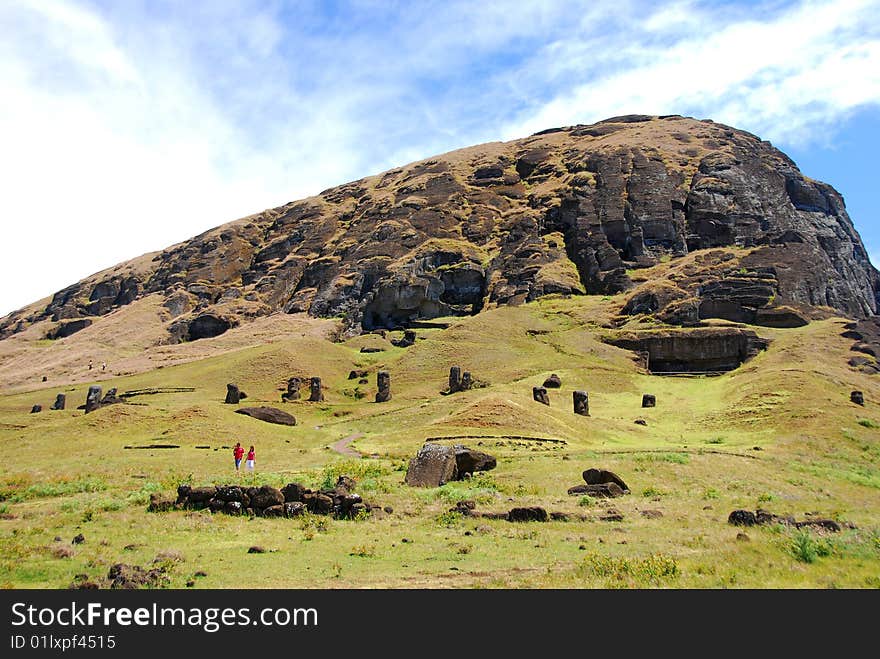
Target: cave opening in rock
[693,351]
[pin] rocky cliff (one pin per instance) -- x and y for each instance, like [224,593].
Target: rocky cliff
[577,210]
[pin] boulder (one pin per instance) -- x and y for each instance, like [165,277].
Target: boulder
[269,415]
[527,514]
[409,338]
[383,382]
[581,402]
[468,461]
[60,402]
[199,495]
[766,517]
[611,515]
[602,476]
[293,492]
[266,497]
[553,382]
[133,577]
[857,397]
[742,518]
[539,394]
[229,493]
[433,466]
[345,485]
[316,394]
[233,394]
[294,509]
[824,524]
[160,503]
[600,491]
[357,374]
[649,400]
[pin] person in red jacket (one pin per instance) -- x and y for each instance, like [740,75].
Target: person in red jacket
[250,459]
[238,454]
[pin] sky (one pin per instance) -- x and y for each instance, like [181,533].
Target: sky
[129,125]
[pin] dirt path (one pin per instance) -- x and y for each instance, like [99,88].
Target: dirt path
[343,446]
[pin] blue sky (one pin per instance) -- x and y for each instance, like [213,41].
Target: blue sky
[127,126]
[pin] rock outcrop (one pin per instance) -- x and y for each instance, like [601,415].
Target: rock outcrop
[566,211]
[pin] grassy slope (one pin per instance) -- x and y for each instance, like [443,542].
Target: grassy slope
[67,473]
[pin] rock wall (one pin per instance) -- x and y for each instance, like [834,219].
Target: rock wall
[569,211]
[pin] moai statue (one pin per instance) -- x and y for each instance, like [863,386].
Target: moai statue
[292,393]
[581,401]
[454,379]
[36,408]
[233,394]
[93,398]
[540,395]
[316,395]
[857,397]
[383,382]
[60,402]
[466,381]
[649,400]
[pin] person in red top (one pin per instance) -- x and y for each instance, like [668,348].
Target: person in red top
[250,459]
[238,454]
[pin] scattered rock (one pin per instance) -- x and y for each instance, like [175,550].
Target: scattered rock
[742,537]
[132,577]
[540,395]
[742,518]
[78,539]
[600,490]
[640,422]
[409,338]
[553,382]
[581,401]
[611,515]
[383,383]
[269,415]
[825,524]
[651,514]
[369,349]
[527,514]
[600,476]
[357,374]
[468,461]
[36,408]
[159,503]
[256,549]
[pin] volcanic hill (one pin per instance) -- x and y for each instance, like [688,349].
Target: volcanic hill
[663,298]
[572,211]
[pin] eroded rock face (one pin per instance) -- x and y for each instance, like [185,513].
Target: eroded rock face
[565,211]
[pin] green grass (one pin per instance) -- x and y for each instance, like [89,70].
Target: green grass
[73,474]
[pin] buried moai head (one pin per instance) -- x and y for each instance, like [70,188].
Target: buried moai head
[581,400]
[383,382]
[316,393]
[540,395]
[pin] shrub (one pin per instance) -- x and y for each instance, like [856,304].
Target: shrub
[651,569]
[867,423]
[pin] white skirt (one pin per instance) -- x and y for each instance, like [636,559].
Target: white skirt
[249,464]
